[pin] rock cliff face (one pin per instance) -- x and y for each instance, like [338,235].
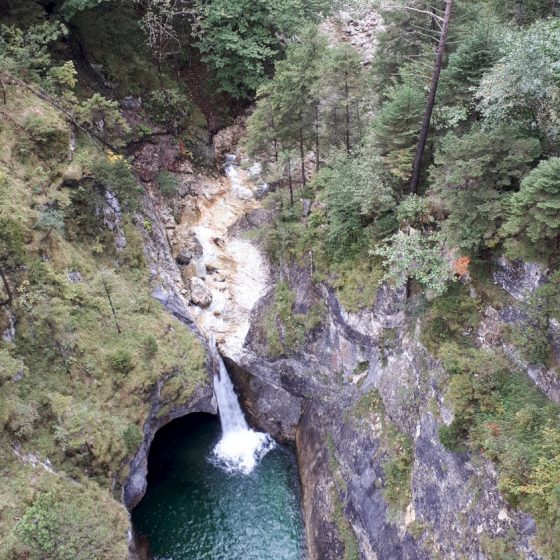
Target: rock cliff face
[453,508]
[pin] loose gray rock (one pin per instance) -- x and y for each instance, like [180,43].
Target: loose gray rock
[200,294]
[184,257]
[74,277]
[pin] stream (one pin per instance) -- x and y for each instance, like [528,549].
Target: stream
[219,490]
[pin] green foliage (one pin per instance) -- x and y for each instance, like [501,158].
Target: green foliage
[523,87]
[397,126]
[535,209]
[167,183]
[356,281]
[453,436]
[151,346]
[114,174]
[170,107]
[102,117]
[524,12]
[285,329]
[111,35]
[351,546]
[451,317]
[404,35]
[355,194]
[416,256]
[370,403]
[26,52]
[533,338]
[49,137]
[62,78]
[133,438]
[10,366]
[478,51]
[121,361]
[469,177]
[398,470]
[69,8]
[239,40]
[414,211]
[11,243]
[61,524]
[499,412]
[50,219]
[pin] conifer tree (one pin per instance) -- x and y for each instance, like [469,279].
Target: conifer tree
[535,209]
[397,125]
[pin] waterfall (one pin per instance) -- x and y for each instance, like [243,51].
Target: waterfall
[240,449]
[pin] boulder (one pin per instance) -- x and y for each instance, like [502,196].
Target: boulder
[200,294]
[184,257]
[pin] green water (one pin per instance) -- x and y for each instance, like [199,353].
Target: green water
[194,511]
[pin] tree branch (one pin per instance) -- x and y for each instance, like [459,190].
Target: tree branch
[425,12]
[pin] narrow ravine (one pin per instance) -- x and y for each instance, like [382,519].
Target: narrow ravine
[222,490]
[231,268]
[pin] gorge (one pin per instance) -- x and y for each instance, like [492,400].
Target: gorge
[235,323]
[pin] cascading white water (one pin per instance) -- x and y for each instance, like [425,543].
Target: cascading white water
[240,448]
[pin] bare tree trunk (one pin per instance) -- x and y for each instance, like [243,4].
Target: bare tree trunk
[335,127]
[431,100]
[3,90]
[290,182]
[59,348]
[359,119]
[302,153]
[347,95]
[108,293]
[274,140]
[7,289]
[317,154]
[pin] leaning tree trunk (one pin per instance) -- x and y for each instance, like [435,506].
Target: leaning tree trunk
[7,289]
[420,148]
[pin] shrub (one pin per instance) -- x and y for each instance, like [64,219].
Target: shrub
[50,137]
[113,173]
[167,183]
[70,521]
[535,213]
[150,346]
[451,317]
[121,361]
[500,412]
[132,438]
[102,117]
[453,436]
[398,469]
[170,106]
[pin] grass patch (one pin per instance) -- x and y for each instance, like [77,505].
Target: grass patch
[452,317]
[284,330]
